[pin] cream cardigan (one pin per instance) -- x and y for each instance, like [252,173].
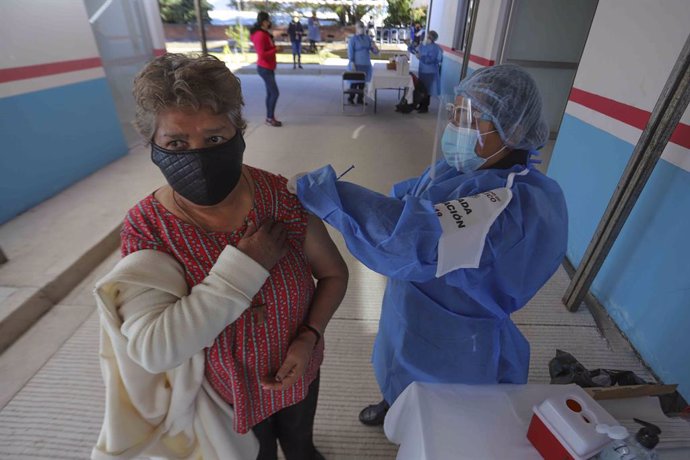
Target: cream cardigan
[153,332]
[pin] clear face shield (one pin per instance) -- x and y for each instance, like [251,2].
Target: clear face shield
[458,135]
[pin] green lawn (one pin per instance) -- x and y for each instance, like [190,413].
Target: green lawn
[385,54]
[284,56]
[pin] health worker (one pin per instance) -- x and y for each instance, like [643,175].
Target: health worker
[464,245]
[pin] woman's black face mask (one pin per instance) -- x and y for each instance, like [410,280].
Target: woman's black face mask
[203,176]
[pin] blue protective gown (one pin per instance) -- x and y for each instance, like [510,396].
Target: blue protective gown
[314,30]
[430,59]
[358,48]
[455,328]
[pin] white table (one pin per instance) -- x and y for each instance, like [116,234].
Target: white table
[438,421]
[434,421]
[382,78]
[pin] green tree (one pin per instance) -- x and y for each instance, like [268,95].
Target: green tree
[360,11]
[240,35]
[269,7]
[348,14]
[182,11]
[340,10]
[239,4]
[399,13]
[419,15]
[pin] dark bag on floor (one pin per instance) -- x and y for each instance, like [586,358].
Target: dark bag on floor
[404,107]
[420,93]
[564,369]
[418,96]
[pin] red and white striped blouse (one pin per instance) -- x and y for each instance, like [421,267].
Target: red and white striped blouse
[251,347]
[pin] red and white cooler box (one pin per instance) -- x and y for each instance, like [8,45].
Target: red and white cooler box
[564,427]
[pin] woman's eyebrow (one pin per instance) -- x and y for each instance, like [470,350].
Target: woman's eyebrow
[218,129]
[176,135]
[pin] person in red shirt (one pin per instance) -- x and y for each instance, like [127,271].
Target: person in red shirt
[266,63]
[261,276]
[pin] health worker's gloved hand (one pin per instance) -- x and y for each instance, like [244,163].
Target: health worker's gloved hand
[292,182]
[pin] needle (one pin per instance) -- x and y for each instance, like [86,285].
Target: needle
[346,171]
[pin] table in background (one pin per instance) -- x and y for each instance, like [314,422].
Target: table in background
[382,78]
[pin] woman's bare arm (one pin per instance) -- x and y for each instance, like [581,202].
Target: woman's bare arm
[330,271]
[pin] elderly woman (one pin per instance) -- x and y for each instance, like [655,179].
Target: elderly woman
[464,245]
[212,321]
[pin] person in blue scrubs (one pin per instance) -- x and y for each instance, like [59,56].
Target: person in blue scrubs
[430,57]
[314,31]
[464,245]
[417,34]
[359,48]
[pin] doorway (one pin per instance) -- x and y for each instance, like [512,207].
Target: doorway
[546,38]
[125,45]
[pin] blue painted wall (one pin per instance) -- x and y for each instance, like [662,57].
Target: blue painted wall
[450,74]
[53,138]
[644,283]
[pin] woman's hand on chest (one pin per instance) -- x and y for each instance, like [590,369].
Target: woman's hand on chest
[266,244]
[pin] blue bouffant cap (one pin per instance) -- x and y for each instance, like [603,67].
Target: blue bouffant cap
[509,96]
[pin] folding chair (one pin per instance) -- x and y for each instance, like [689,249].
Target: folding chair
[354,77]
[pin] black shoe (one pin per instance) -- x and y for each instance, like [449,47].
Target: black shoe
[375,414]
[423,110]
[300,66]
[351,100]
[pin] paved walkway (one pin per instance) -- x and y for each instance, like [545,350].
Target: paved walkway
[51,394]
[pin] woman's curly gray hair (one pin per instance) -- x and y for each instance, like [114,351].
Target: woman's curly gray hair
[180,81]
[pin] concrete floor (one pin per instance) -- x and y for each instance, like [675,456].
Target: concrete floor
[51,394]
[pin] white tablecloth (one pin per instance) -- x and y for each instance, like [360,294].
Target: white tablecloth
[439,422]
[383,78]
[414,63]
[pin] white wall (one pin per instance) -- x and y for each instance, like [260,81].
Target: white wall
[444,14]
[630,52]
[153,17]
[488,31]
[486,42]
[38,32]
[633,70]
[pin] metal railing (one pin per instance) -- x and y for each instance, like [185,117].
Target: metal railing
[392,35]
